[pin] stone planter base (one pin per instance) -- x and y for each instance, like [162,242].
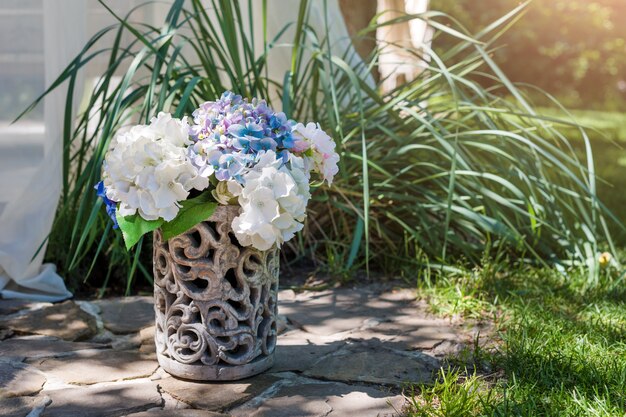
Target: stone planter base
[215,372]
[215,302]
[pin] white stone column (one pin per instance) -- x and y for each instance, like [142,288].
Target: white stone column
[396,65]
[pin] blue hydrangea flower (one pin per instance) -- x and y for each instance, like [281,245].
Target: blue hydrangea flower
[228,134]
[110,205]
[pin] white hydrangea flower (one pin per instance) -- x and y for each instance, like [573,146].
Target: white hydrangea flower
[325,158]
[172,130]
[266,159]
[273,201]
[147,171]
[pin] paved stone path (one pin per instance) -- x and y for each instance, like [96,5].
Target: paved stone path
[341,352]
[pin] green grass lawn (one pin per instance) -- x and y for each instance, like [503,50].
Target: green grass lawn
[557,349]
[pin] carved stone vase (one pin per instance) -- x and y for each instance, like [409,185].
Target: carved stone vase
[215,302]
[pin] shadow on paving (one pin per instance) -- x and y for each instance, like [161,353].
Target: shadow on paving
[342,352]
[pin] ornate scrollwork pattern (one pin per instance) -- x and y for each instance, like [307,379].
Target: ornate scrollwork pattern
[215,301]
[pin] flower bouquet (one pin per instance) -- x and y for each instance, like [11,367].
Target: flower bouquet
[221,196]
[172,175]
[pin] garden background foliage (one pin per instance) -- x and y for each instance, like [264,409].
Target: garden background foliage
[437,173]
[573,49]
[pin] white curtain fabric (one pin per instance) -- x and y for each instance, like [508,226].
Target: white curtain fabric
[27,217]
[396,65]
[47,35]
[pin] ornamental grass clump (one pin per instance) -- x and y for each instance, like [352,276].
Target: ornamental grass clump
[172,175]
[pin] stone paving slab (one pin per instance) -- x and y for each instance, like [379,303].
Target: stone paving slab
[66,321]
[297,350]
[103,400]
[309,398]
[126,315]
[373,363]
[340,352]
[408,332]
[157,412]
[19,406]
[19,379]
[6,333]
[13,306]
[360,313]
[215,396]
[328,312]
[42,347]
[100,401]
[86,368]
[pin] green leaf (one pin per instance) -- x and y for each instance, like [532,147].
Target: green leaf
[133,227]
[286,94]
[356,243]
[192,212]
